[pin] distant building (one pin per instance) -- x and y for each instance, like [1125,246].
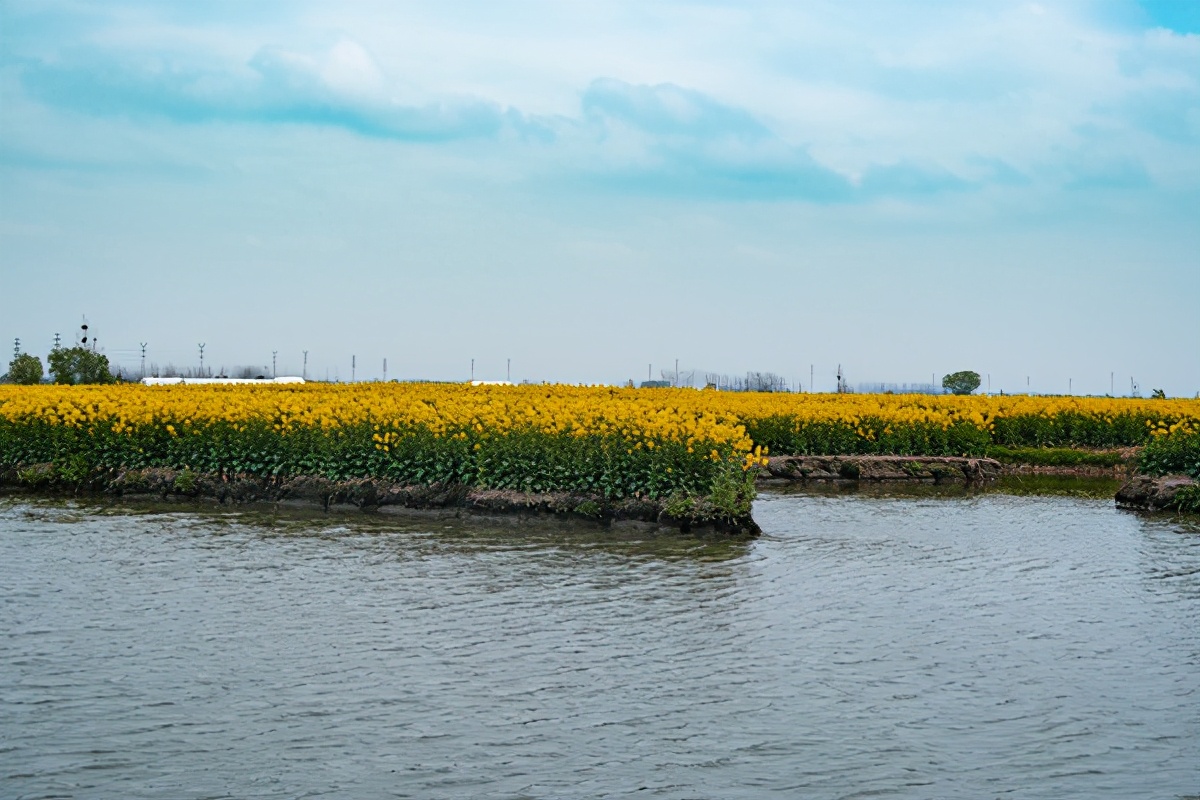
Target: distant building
[655,385]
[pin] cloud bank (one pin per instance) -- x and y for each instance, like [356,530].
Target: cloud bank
[839,109]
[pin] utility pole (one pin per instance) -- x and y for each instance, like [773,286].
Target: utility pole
[472,369]
[274,373]
[508,371]
[16,347]
[650,372]
[143,344]
[57,339]
[1111,385]
[1070,386]
[201,346]
[677,373]
[989,383]
[304,375]
[353,367]
[385,370]
[810,377]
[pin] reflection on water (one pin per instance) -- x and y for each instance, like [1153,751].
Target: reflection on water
[904,643]
[436,532]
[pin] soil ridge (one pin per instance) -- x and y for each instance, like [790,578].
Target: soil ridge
[374,495]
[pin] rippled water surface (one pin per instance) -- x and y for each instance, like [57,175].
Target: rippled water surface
[908,646]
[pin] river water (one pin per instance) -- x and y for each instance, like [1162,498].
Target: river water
[913,646]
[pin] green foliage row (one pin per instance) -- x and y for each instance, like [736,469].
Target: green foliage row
[785,435]
[1174,454]
[1070,429]
[530,461]
[790,436]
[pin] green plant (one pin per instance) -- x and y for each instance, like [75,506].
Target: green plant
[185,482]
[732,493]
[35,477]
[588,508]
[1174,453]
[1188,499]
[680,505]
[74,468]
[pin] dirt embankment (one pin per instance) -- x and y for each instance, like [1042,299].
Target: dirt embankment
[1116,472]
[931,469]
[1150,493]
[383,496]
[937,469]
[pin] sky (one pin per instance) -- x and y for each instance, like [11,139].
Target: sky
[587,192]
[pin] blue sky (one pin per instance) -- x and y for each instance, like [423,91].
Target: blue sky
[590,188]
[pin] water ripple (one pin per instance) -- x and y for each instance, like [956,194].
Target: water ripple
[913,646]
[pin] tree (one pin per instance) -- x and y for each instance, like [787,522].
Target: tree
[79,365]
[963,382]
[25,370]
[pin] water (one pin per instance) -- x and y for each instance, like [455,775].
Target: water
[912,646]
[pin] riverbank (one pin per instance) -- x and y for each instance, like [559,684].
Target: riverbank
[686,514]
[1160,493]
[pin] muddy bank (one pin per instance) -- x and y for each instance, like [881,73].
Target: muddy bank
[1118,472]
[1164,493]
[370,495]
[926,469]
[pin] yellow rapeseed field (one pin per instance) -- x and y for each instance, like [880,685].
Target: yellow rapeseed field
[620,441]
[636,414]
